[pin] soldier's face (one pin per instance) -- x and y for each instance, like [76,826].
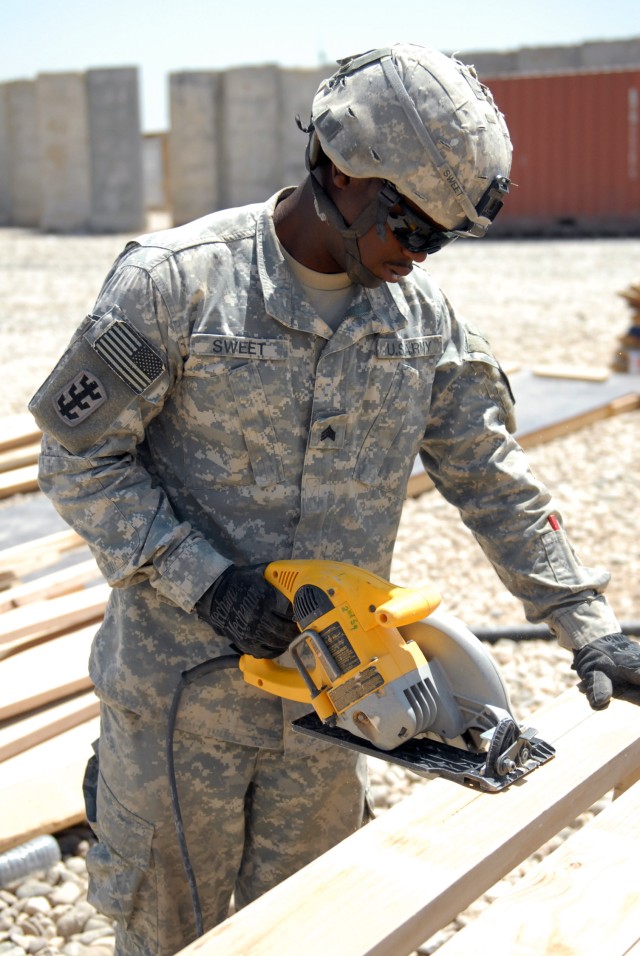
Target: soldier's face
[386,258]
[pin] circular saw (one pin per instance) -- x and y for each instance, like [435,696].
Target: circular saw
[391,675]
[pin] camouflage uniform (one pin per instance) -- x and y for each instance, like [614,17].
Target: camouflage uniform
[205,415]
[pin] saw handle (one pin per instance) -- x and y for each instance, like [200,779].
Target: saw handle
[406,606]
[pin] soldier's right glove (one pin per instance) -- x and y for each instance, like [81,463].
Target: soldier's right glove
[254,616]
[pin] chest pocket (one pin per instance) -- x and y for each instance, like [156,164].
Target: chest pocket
[257,426]
[228,433]
[391,444]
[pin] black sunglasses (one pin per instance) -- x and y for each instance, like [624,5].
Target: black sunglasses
[418,234]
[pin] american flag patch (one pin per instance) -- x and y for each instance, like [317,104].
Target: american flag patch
[129,355]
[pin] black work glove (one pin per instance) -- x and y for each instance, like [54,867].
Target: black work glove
[242,606]
[608,665]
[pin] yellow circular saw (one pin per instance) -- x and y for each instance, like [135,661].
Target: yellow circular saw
[389,674]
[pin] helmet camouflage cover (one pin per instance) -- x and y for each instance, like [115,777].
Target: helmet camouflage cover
[420,120]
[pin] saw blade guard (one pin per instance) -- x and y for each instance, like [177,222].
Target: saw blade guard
[469,690]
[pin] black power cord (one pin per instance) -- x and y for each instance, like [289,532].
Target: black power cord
[186,678]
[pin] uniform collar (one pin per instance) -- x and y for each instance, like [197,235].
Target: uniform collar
[380,310]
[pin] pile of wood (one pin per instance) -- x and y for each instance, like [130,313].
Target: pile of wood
[627,356]
[48,711]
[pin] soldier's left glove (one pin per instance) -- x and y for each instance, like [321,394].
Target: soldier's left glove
[608,665]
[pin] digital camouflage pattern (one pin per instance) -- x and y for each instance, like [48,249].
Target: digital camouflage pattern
[275,813]
[205,415]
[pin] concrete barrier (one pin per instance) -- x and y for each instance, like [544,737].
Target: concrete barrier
[24,153]
[63,136]
[115,150]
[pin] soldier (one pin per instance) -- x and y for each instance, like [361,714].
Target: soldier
[256,386]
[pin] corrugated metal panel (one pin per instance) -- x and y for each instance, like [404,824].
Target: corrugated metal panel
[576,144]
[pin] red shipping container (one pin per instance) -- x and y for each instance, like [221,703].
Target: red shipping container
[576,142]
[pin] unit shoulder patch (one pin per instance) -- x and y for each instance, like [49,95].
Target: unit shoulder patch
[79,398]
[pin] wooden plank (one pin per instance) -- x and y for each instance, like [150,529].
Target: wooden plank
[393,884]
[52,585]
[585,373]
[45,673]
[546,411]
[41,552]
[19,482]
[585,896]
[42,788]
[626,403]
[19,457]
[626,783]
[18,430]
[51,617]
[22,733]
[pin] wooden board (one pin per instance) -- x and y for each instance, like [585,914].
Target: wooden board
[546,410]
[18,457]
[45,673]
[45,619]
[19,482]
[22,733]
[18,430]
[584,373]
[40,553]
[585,897]
[389,887]
[52,585]
[42,788]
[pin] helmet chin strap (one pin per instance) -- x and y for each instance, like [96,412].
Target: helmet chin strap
[373,214]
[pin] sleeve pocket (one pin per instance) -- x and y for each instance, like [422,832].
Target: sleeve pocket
[561,559]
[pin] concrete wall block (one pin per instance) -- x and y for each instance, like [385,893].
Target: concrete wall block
[63,129]
[298,89]
[117,203]
[193,144]
[154,165]
[490,64]
[24,152]
[5,180]
[597,55]
[611,54]
[253,166]
[550,59]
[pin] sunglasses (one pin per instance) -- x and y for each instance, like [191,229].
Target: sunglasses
[418,234]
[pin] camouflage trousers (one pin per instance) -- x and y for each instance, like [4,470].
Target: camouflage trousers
[252,817]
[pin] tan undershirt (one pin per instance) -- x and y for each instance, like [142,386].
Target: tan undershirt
[330,293]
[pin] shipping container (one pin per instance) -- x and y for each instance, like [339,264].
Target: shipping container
[576,165]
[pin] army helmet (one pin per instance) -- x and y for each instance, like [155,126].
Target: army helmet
[422,121]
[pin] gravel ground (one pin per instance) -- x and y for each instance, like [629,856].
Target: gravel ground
[538,302]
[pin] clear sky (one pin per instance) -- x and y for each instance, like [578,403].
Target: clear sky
[165,36]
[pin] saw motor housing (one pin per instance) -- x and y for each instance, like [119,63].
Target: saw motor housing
[351,662]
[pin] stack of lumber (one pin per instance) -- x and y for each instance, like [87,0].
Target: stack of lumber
[48,711]
[401,879]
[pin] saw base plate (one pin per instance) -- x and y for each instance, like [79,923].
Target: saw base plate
[429,758]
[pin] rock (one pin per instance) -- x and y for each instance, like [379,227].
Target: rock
[37,904]
[33,888]
[68,892]
[9,948]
